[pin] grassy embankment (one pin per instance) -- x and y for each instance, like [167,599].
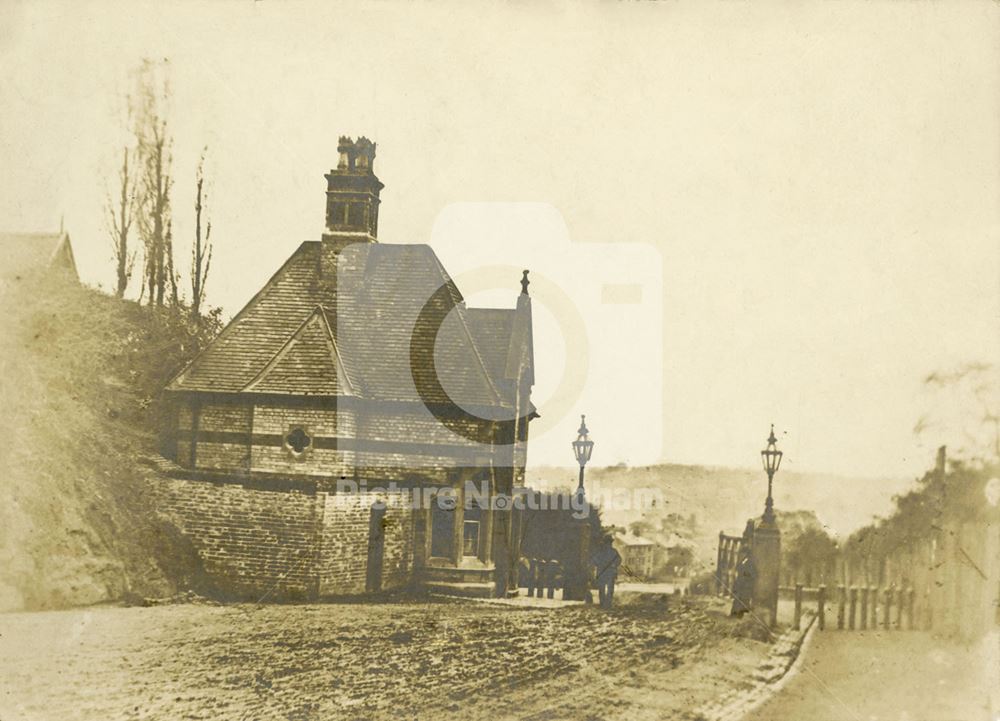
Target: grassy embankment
[80,377]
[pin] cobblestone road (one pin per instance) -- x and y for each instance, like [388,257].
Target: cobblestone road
[440,660]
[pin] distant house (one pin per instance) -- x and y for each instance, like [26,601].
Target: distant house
[675,554]
[636,553]
[356,378]
[26,253]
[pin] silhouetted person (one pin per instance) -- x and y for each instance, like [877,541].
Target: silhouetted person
[606,561]
[743,585]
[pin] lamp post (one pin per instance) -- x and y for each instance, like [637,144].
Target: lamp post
[582,448]
[765,545]
[771,458]
[578,585]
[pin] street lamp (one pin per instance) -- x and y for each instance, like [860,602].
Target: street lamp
[578,573]
[582,448]
[771,458]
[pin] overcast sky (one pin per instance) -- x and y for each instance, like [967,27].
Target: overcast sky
[740,216]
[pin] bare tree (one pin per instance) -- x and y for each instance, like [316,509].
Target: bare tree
[119,219]
[201,252]
[173,276]
[155,183]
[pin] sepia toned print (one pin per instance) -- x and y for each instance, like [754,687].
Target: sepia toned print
[570,361]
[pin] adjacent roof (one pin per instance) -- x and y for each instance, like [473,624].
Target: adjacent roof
[491,330]
[629,539]
[22,253]
[349,324]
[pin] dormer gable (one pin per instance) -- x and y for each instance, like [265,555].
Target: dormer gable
[307,364]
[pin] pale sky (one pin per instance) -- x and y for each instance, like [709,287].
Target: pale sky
[737,214]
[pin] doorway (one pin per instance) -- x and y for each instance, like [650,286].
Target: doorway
[376,547]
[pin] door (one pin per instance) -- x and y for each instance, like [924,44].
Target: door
[443,527]
[376,547]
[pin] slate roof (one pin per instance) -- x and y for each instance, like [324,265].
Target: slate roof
[311,331]
[308,362]
[21,253]
[491,330]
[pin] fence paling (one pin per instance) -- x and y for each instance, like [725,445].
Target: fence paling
[861,608]
[821,608]
[841,602]
[875,599]
[726,563]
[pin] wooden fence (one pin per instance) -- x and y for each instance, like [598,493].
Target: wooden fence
[726,563]
[948,582]
[858,608]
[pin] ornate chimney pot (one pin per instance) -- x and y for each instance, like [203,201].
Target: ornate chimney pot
[352,193]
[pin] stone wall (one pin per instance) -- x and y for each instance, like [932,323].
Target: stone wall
[251,540]
[406,443]
[272,422]
[343,556]
[221,432]
[376,442]
[257,539]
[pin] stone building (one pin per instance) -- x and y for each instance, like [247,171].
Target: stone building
[354,426]
[636,553]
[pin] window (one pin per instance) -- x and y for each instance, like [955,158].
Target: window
[337,213]
[356,214]
[470,529]
[298,442]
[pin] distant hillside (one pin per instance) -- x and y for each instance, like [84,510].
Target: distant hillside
[724,498]
[80,373]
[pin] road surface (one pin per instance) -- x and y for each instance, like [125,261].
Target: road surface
[445,660]
[886,676]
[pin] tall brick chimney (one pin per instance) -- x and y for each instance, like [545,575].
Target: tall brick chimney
[352,193]
[352,200]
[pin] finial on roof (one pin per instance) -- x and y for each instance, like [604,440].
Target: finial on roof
[525,282]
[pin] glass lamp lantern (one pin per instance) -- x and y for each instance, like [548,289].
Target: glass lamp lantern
[583,447]
[771,459]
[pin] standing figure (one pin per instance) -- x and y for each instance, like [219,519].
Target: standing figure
[606,562]
[746,574]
